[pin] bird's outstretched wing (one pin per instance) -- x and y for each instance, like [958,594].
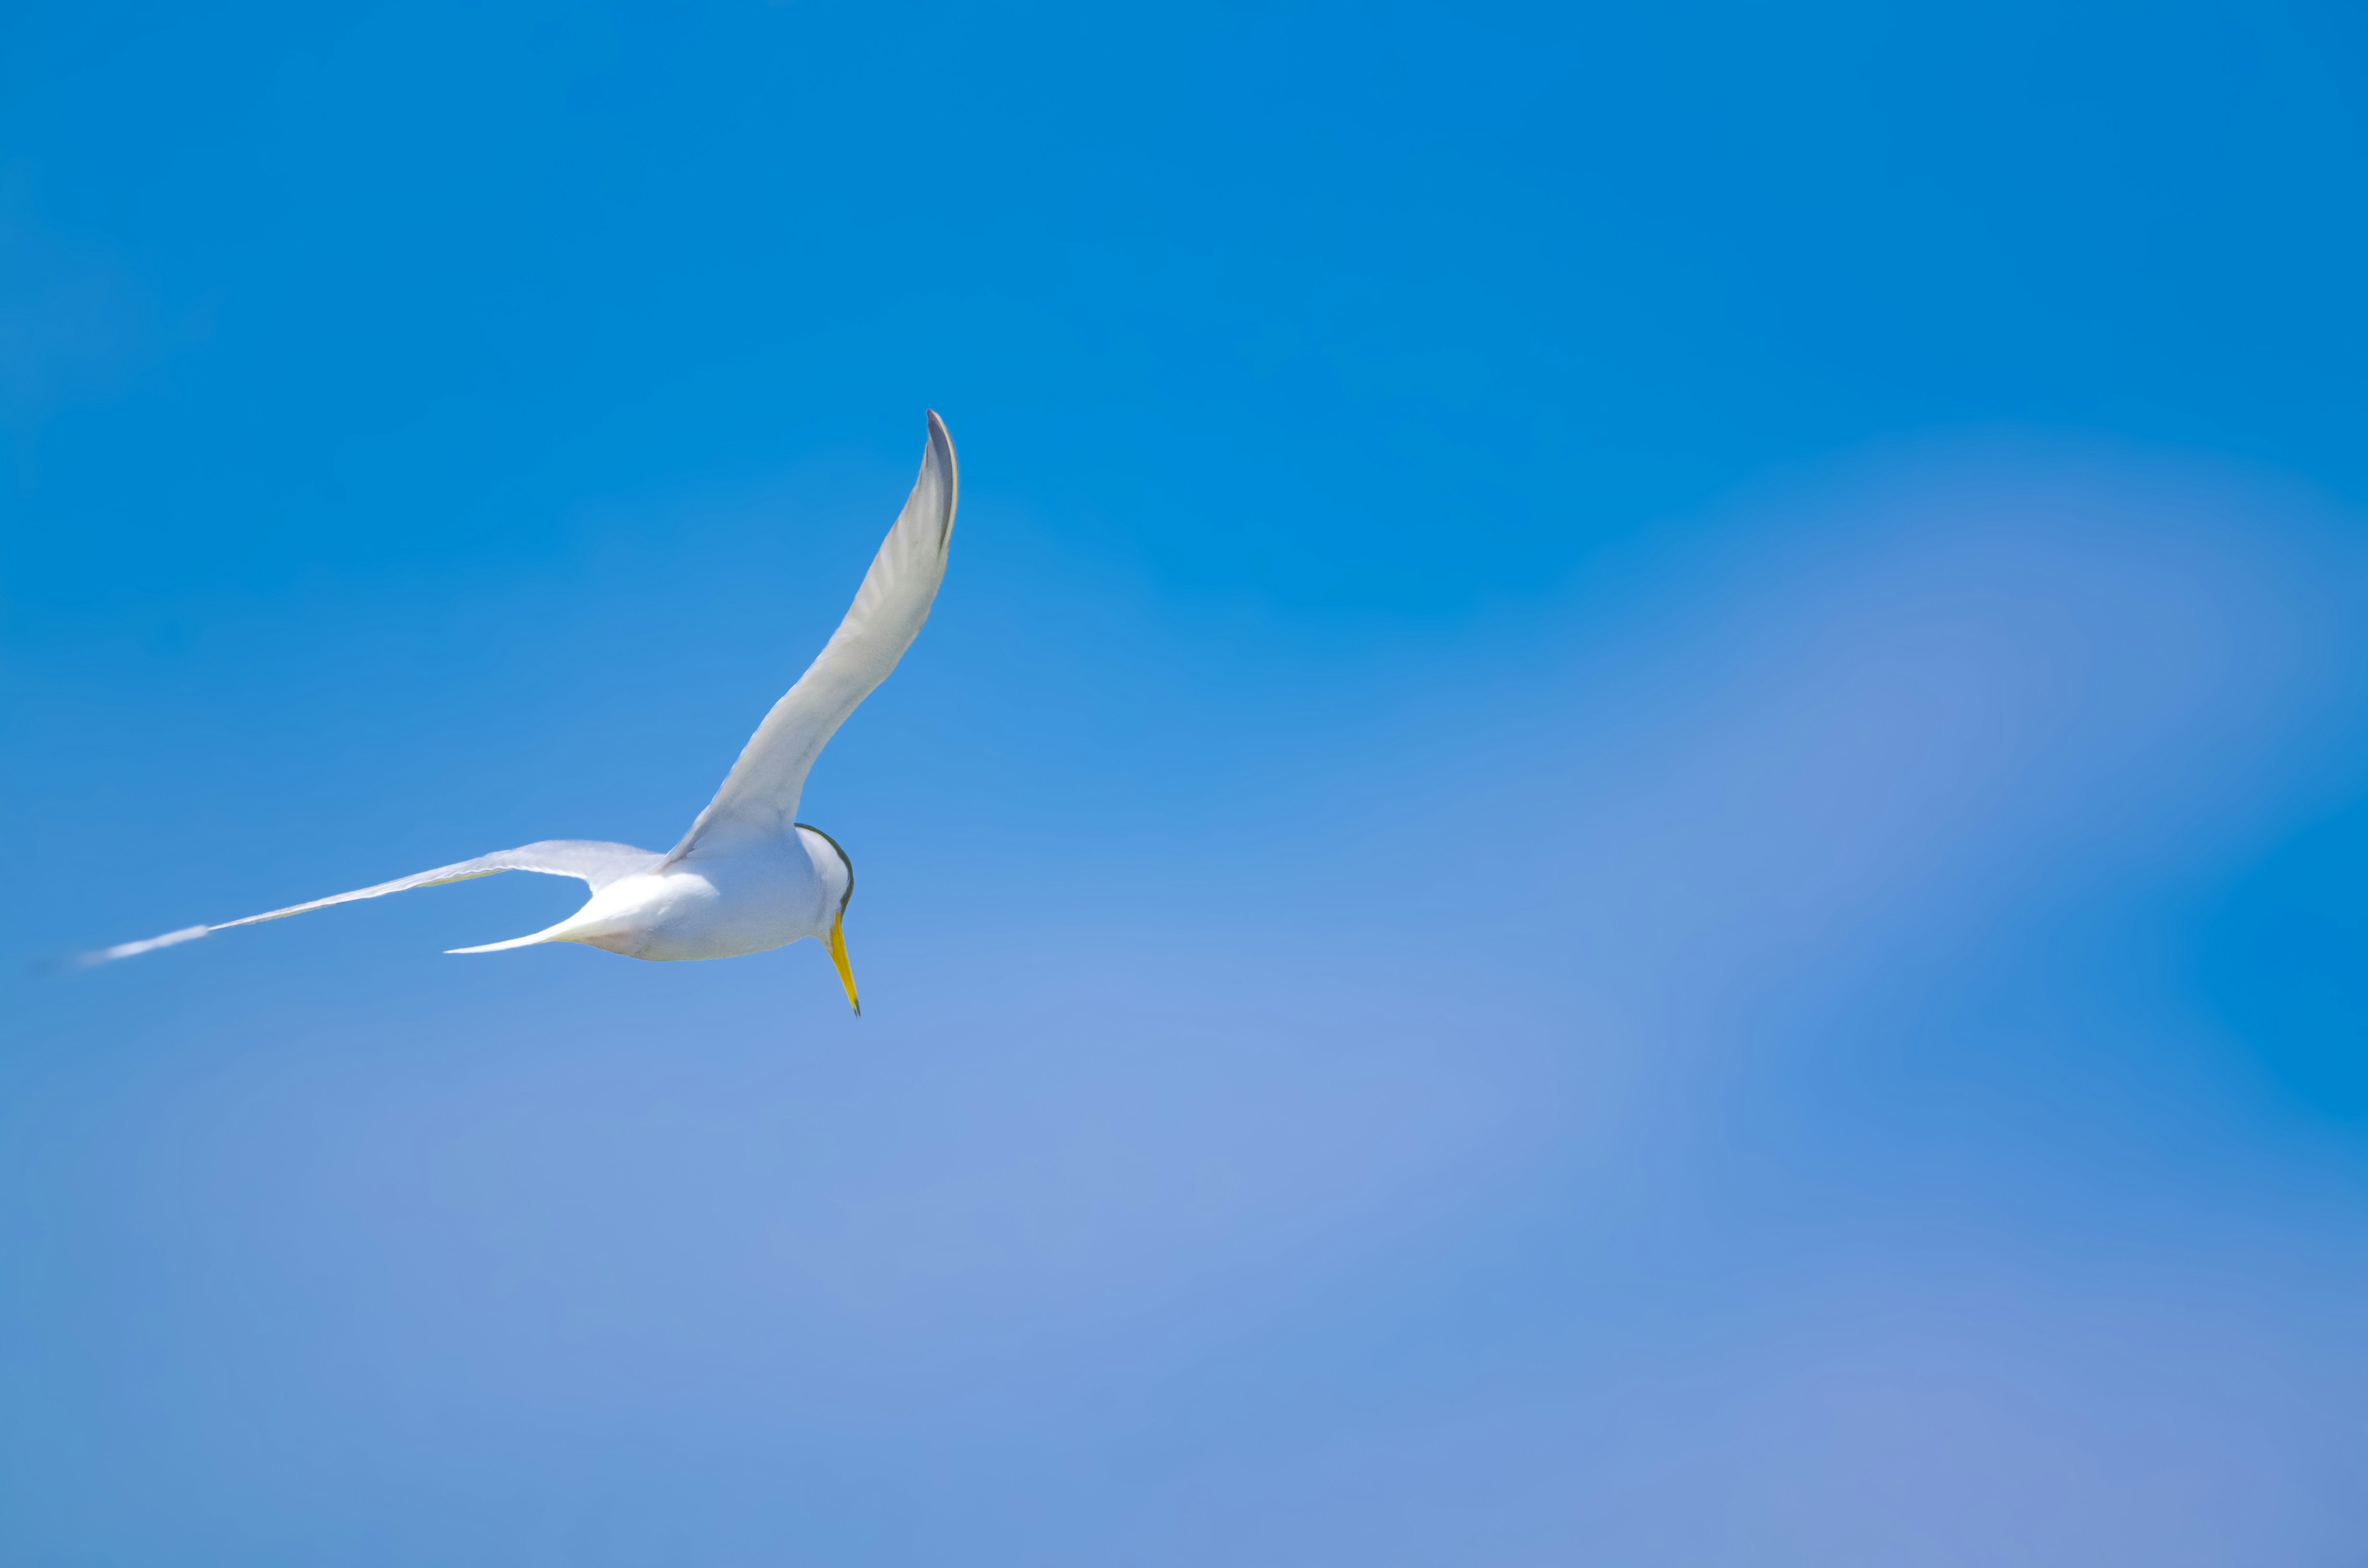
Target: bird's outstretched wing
[595,863]
[759,797]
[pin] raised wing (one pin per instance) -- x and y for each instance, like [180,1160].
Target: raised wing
[592,862]
[759,797]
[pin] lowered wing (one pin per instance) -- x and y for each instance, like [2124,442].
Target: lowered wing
[594,863]
[759,797]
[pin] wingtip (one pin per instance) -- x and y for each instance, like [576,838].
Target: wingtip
[97,956]
[942,448]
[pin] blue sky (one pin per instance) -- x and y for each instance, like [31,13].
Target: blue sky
[1637,829]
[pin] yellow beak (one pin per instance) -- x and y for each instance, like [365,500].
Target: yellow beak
[839,957]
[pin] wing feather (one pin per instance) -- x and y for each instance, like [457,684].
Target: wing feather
[759,796]
[588,860]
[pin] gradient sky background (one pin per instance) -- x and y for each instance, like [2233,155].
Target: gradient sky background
[1635,832]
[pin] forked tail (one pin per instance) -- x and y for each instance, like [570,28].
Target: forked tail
[513,942]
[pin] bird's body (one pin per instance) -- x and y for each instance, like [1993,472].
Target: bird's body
[763,894]
[748,877]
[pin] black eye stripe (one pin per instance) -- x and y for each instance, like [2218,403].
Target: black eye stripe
[843,861]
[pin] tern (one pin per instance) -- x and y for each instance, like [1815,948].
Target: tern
[748,877]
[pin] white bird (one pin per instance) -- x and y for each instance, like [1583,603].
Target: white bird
[748,877]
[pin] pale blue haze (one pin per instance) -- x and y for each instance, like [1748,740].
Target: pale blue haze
[1635,832]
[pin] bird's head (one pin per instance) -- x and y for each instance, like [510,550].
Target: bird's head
[839,886]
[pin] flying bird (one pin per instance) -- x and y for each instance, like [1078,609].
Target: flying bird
[748,877]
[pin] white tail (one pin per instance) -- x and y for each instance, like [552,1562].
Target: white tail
[513,942]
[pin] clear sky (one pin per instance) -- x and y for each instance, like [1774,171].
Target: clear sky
[1635,831]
